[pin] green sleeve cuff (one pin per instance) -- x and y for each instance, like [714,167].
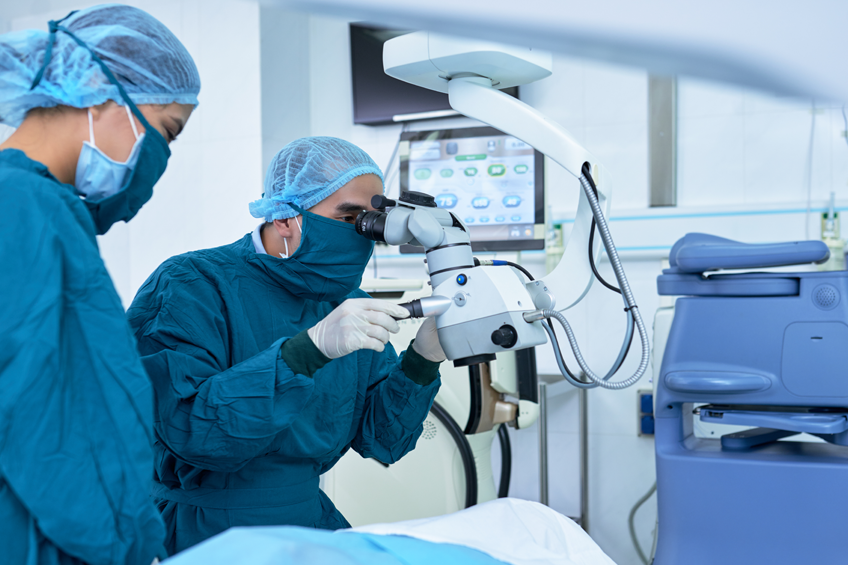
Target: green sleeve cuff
[301,355]
[417,369]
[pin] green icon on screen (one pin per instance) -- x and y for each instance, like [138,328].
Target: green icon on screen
[497,170]
[422,174]
[470,172]
[446,173]
[521,169]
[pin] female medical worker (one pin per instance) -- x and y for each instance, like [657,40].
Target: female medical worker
[268,362]
[95,103]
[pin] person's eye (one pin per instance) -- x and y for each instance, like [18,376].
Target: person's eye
[348,219]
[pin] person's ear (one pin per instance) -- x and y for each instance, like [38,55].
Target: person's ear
[284,227]
[96,111]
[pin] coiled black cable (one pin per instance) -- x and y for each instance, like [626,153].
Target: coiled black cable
[520,268]
[465,452]
[506,461]
[588,174]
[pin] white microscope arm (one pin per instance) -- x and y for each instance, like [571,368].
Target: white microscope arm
[475,97]
[467,71]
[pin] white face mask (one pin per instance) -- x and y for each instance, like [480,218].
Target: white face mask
[286,242]
[98,176]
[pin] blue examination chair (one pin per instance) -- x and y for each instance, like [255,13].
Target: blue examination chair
[768,351]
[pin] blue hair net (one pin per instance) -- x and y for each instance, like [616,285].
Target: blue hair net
[146,58]
[307,171]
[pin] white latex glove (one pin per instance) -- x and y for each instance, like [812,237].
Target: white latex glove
[357,323]
[427,344]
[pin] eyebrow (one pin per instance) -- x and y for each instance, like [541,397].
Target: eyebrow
[347,207]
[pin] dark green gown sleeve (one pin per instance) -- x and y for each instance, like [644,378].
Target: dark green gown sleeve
[396,404]
[301,354]
[210,414]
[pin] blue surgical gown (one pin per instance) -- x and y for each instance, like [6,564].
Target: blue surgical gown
[241,437]
[76,408]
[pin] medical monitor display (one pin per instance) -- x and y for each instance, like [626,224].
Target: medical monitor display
[492,181]
[381,99]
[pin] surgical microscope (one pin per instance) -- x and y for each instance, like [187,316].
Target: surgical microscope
[484,307]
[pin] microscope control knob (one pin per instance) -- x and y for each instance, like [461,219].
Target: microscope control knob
[505,336]
[418,198]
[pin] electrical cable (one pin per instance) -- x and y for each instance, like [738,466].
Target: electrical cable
[567,373]
[592,244]
[632,526]
[520,268]
[654,543]
[631,308]
[548,325]
[592,260]
[575,348]
[506,461]
[465,452]
[571,377]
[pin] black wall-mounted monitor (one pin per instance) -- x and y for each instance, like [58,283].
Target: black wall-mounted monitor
[492,181]
[379,99]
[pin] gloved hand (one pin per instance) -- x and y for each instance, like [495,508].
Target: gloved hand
[427,344]
[357,323]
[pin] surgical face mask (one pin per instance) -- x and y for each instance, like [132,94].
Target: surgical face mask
[329,262]
[151,157]
[115,191]
[98,176]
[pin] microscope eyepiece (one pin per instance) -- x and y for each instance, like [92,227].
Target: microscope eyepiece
[380,202]
[372,225]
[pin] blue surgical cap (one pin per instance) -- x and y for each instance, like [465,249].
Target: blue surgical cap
[307,171]
[146,58]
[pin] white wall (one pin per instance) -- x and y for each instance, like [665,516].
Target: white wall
[216,164]
[332,101]
[745,148]
[286,71]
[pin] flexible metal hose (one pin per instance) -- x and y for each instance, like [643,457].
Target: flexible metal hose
[629,301]
[561,363]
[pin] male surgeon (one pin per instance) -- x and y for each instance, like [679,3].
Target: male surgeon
[267,361]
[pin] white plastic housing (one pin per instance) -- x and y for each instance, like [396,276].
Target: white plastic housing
[491,297]
[430,60]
